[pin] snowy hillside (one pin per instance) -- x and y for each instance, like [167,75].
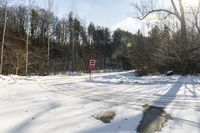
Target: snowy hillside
[73,104]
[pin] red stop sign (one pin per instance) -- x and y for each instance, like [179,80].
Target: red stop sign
[92,64]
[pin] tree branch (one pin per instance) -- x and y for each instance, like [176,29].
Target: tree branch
[159,10]
[175,9]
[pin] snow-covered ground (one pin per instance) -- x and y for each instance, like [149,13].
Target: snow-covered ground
[69,104]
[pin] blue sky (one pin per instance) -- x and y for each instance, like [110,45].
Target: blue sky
[101,12]
[110,13]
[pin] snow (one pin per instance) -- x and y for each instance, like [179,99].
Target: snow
[68,103]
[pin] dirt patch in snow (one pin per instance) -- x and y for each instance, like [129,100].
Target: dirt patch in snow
[105,117]
[153,119]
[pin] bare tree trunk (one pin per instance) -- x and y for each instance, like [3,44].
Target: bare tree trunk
[184,40]
[73,34]
[16,71]
[50,3]
[3,38]
[183,23]
[48,58]
[27,37]
[196,13]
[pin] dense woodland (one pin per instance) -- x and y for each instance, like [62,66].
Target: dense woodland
[51,42]
[92,42]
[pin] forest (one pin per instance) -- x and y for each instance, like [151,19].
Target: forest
[36,42]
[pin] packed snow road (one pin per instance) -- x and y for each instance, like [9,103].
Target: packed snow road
[70,104]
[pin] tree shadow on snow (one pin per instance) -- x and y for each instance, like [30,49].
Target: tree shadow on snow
[112,127]
[22,127]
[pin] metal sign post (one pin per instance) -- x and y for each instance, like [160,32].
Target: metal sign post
[90,74]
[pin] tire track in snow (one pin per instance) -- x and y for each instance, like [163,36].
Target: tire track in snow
[134,99]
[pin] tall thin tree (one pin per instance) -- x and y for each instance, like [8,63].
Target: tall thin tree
[27,36]
[50,3]
[4,32]
[73,36]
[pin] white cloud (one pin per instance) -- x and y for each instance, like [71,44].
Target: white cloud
[131,25]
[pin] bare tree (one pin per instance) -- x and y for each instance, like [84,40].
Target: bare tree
[4,32]
[144,9]
[73,35]
[17,59]
[27,36]
[196,12]
[50,4]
